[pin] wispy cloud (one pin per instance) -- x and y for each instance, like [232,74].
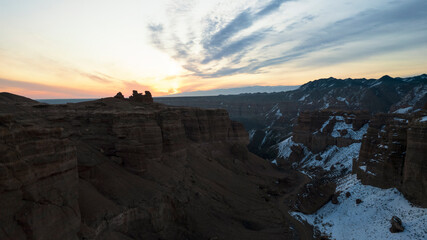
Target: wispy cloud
[25,86]
[156,31]
[100,78]
[261,36]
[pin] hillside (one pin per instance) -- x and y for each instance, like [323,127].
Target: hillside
[270,117]
[131,169]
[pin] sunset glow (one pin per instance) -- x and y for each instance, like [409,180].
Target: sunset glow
[85,49]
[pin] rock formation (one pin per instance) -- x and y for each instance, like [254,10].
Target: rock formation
[396,225]
[139,97]
[271,116]
[394,153]
[314,195]
[119,95]
[414,182]
[38,182]
[318,129]
[114,169]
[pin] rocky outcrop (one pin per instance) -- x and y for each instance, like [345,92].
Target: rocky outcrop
[139,97]
[314,196]
[119,95]
[393,154]
[272,116]
[38,183]
[319,129]
[414,184]
[396,225]
[382,152]
[121,169]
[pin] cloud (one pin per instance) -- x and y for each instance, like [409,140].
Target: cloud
[253,40]
[272,6]
[367,24]
[242,21]
[100,78]
[236,47]
[24,86]
[156,31]
[220,43]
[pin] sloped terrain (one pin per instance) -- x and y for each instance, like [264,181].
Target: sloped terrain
[121,169]
[271,116]
[369,219]
[362,176]
[343,134]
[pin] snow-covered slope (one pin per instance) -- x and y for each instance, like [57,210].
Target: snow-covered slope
[334,159]
[369,219]
[347,220]
[386,94]
[337,158]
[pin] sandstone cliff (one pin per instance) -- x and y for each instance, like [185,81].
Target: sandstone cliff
[120,169]
[320,129]
[390,153]
[271,116]
[414,182]
[393,154]
[38,182]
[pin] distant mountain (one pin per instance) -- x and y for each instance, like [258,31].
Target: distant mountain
[64,101]
[361,142]
[270,117]
[234,91]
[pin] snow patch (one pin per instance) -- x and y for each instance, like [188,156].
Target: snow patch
[369,219]
[251,134]
[403,110]
[326,123]
[423,119]
[376,84]
[284,148]
[341,125]
[339,157]
[419,93]
[356,135]
[266,133]
[325,106]
[341,99]
[400,120]
[303,97]
[273,109]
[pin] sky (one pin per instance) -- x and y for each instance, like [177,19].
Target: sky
[88,49]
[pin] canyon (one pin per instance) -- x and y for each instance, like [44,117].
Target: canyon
[119,168]
[363,169]
[356,139]
[304,164]
[270,117]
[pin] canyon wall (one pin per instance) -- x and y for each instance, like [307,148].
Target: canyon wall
[414,182]
[120,169]
[38,182]
[393,154]
[384,150]
[320,129]
[270,117]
